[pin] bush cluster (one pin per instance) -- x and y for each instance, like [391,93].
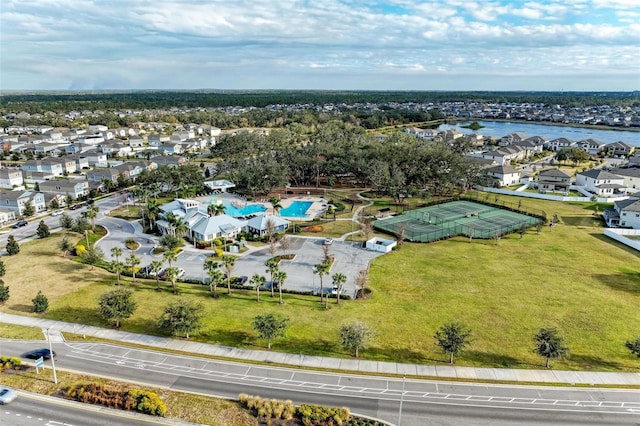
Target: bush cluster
[317,415]
[268,408]
[9,363]
[132,400]
[309,414]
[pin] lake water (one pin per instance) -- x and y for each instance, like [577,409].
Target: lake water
[549,132]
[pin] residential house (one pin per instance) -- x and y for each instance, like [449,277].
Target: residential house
[506,154]
[11,178]
[115,149]
[36,177]
[97,159]
[101,174]
[6,216]
[81,161]
[625,213]
[136,142]
[47,166]
[558,144]
[262,225]
[591,146]
[170,148]
[157,140]
[17,201]
[50,149]
[504,175]
[553,180]
[631,176]
[132,169]
[169,160]
[68,164]
[601,182]
[618,149]
[74,188]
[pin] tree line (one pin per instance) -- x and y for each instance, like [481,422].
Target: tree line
[399,166]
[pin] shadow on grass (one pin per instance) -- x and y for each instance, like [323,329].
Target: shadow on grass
[628,281]
[22,308]
[588,221]
[491,359]
[399,355]
[588,362]
[600,236]
[225,337]
[78,315]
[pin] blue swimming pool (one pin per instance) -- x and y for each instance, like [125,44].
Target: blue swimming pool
[243,211]
[247,210]
[297,209]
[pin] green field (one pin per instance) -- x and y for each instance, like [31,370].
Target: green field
[569,276]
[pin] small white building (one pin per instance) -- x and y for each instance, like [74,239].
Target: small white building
[380,245]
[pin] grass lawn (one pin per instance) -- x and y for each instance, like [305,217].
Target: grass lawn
[569,276]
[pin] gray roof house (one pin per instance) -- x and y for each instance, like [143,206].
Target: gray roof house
[553,180]
[601,182]
[625,213]
[259,225]
[74,188]
[17,200]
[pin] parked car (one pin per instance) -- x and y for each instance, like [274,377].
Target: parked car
[241,280]
[145,270]
[20,224]
[270,284]
[7,395]
[57,212]
[328,241]
[163,274]
[35,354]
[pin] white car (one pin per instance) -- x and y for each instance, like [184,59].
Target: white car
[57,212]
[7,395]
[328,241]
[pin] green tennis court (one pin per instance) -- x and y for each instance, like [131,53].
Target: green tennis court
[454,218]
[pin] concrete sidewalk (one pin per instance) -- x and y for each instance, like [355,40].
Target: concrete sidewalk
[443,372]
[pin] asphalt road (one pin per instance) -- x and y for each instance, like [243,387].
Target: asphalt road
[30,410]
[424,402]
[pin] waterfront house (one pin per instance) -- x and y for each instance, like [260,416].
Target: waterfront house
[601,182]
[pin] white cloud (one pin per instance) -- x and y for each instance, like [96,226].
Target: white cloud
[146,43]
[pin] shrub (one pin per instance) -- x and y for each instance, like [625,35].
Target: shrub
[80,249]
[9,363]
[133,400]
[40,303]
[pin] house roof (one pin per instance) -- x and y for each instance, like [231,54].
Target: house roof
[626,171]
[554,173]
[631,204]
[505,169]
[599,174]
[260,222]
[619,145]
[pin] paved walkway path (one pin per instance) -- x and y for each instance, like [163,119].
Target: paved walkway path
[444,372]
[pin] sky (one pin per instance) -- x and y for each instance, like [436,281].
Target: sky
[555,45]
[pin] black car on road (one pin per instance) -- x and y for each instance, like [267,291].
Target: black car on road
[20,224]
[35,354]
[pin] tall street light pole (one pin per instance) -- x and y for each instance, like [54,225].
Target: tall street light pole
[404,376]
[53,365]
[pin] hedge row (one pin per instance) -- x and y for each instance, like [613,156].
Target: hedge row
[132,400]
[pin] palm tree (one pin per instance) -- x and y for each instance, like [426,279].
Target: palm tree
[280,276]
[272,268]
[170,256]
[257,281]
[321,269]
[116,252]
[276,204]
[219,209]
[172,275]
[132,262]
[338,280]
[152,211]
[228,262]
[92,213]
[211,210]
[215,275]
[155,267]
